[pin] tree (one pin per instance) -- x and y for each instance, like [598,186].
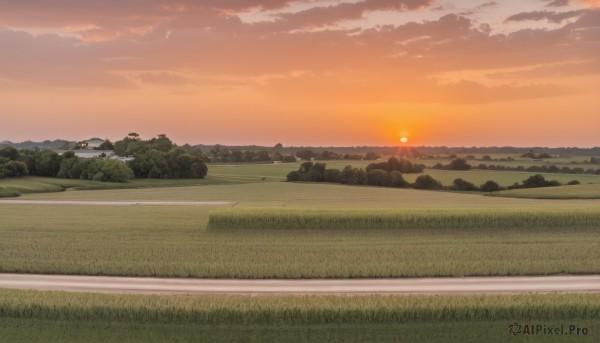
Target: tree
[372,156]
[459,164]
[427,182]
[490,186]
[538,180]
[332,175]
[47,163]
[15,169]
[9,152]
[113,171]
[462,185]
[378,177]
[294,176]
[306,155]
[396,180]
[107,145]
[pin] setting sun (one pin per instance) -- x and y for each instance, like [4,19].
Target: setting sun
[404,140]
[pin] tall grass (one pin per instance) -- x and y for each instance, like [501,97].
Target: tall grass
[213,309]
[284,219]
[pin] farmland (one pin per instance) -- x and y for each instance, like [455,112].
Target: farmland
[71,316]
[174,241]
[563,192]
[276,229]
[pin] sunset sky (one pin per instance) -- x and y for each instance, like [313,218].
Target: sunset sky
[306,72]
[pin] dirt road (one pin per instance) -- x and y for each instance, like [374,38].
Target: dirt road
[471,285]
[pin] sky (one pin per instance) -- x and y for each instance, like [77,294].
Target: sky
[303,72]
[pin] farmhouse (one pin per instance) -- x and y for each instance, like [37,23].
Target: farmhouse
[93,143]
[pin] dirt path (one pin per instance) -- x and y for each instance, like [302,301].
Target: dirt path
[467,285]
[115,203]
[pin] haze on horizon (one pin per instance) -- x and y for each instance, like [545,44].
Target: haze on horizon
[303,72]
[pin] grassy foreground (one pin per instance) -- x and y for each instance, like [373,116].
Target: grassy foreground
[30,316]
[173,241]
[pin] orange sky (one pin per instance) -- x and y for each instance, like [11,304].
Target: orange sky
[307,72]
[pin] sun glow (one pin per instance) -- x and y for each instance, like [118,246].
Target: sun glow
[404,140]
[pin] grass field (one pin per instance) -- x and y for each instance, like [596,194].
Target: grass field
[564,192]
[307,195]
[36,184]
[55,316]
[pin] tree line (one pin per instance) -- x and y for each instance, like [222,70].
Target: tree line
[390,174]
[16,163]
[154,158]
[462,164]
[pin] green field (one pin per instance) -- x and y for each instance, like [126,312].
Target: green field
[36,184]
[563,192]
[278,172]
[56,316]
[294,230]
[174,240]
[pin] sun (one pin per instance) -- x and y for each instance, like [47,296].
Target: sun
[404,140]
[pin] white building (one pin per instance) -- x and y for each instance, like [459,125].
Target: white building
[93,143]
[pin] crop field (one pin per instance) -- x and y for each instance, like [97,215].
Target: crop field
[174,241]
[563,192]
[400,219]
[36,316]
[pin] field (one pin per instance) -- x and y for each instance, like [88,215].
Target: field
[276,229]
[563,192]
[278,172]
[56,316]
[174,241]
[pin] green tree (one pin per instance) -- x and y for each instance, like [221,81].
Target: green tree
[459,164]
[427,182]
[462,185]
[378,177]
[490,186]
[47,163]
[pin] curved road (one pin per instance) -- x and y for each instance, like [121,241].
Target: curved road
[470,285]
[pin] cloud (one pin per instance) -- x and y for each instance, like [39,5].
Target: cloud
[553,17]
[488,4]
[557,3]
[592,3]
[330,15]
[162,78]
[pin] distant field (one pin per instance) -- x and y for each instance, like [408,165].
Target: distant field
[36,184]
[564,192]
[28,316]
[504,178]
[316,195]
[278,172]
